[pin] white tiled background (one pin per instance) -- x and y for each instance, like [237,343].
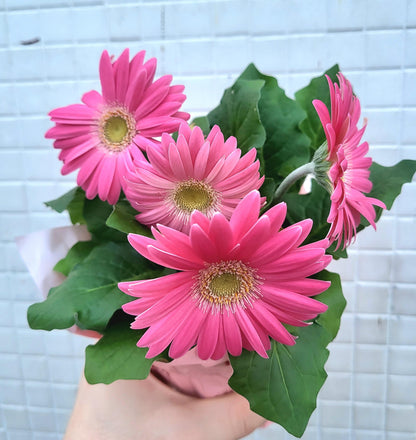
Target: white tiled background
[371,389]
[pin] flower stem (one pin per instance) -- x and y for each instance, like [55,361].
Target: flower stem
[295,175]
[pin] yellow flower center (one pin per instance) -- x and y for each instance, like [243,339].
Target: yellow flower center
[193,194]
[116,129]
[225,284]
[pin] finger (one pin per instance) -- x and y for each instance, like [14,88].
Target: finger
[229,416]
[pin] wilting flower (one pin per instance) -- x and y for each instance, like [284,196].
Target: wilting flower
[349,167]
[239,280]
[208,175]
[103,135]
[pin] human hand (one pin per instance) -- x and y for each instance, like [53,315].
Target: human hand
[150,410]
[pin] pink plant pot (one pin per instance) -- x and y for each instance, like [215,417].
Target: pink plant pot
[192,376]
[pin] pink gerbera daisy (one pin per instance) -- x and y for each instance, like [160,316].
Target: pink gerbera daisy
[103,135]
[349,167]
[239,280]
[208,175]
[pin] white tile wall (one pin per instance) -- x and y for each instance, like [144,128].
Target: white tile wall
[371,388]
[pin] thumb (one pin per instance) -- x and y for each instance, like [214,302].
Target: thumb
[229,416]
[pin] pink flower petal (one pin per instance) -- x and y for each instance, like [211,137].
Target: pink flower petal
[121,73]
[167,304]
[292,260]
[88,168]
[250,333]
[173,241]
[307,286]
[107,170]
[254,238]
[203,245]
[200,219]
[64,131]
[201,160]
[75,113]
[274,248]
[290,301]
[92,99]
[135,90]
[245,215]
[157,338]
[274,328]
[221,234]
[68,155]
[187,335]
[107,78]
[208,336]
[78,162]
[170,260]
[153,96]
[155,287]
[232,334]
[220,348]
[176,163]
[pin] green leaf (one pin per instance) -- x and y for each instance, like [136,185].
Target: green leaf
[388,181]
[76,207]
[73,202]
[334,299]
[116,356]
[286,147]
[316,89]
[203,123]
[90,296]
[387,185]
[60,204]
[75,255]
[337,253]
[284,387]
[122,219]
[96,213]
[267,190]
[238,115]
[314,205]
